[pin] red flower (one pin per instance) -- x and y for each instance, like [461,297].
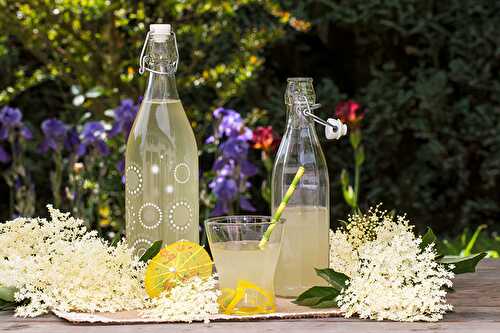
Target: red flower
[349,112]
[264,138]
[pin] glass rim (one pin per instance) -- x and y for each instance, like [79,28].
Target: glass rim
[226,220]
[291,79]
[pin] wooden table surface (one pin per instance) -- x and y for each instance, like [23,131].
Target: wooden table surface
[476,302]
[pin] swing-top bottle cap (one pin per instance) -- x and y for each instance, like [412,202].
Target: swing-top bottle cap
[159,32]
[160,28]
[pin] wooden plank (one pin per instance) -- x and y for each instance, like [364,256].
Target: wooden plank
[476,301]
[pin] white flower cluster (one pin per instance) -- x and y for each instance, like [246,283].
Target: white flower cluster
[390,276]
[194,300]
[56,264]
[345,241]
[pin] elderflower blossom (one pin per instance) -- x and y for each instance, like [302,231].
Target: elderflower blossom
[343,257]
[344,242]
[395,279]
[57,265]
[195,300]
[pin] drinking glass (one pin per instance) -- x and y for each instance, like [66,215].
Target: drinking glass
[246,271]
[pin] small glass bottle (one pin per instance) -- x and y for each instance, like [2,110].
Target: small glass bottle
[161,180]
[307,216]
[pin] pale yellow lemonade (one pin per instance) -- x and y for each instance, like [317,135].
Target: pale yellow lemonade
[305,246]
[246,276]
[161,176]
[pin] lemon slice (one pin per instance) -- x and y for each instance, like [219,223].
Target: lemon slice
[257,300]
[226,297]
[177,262]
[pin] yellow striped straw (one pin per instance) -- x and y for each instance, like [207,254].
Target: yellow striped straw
[281,207]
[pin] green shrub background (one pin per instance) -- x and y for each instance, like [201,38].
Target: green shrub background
[426,73]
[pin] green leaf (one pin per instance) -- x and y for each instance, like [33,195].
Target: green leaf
[348,193]
[152,251]
[314,295]
[265,191]
[359,156]
[462,264]
[344,178]
[355,139]
[7,294]
[7,306]
[428,238]
[268,164]
[335,279]
[327,303]
[468,249]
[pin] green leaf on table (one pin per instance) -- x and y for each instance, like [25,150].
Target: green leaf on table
[329,301]
[335,279]
[7,306]
[428,238]
[323,304]
[152,251]
[316,295]
[462,264]
[7,294]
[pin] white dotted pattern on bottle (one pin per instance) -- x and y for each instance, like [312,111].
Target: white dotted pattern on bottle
[154,223]
[171,213]
[141,245]
[184,178]
[133,170]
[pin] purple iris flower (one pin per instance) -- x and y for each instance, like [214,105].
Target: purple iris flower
[234,148]
[231,124]
[72,140]
[247,168]
[58,135]
[11,119]
[232,166]
[12,128]
[26,133]
[225,189]
[93,136]
[124,116]
[54,132]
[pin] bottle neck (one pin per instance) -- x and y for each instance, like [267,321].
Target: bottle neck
[299,92]
[296,118]
[162,61]
[161,87]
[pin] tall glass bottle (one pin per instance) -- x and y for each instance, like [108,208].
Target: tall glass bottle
[305,244]
[161,180]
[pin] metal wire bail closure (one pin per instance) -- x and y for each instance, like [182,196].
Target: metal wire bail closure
[144,59]
[307,112]
[334,128]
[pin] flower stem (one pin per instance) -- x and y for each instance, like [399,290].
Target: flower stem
[281,207]
[56,179]
[357,171]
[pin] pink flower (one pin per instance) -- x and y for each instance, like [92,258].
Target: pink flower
[349,112]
